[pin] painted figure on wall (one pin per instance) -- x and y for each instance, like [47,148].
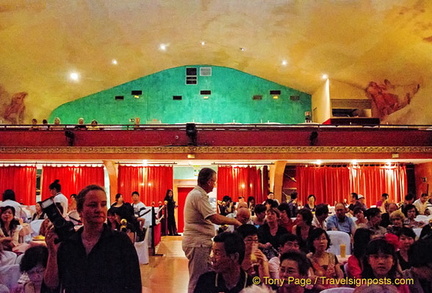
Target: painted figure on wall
[388,98]
[14,112]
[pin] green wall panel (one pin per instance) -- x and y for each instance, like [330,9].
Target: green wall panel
[230,100]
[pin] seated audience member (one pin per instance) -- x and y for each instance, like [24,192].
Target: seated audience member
[39,213]
[270,203]
[260,214]
[361,221]
[354,202]
[310,205]
[293,204]
[376,289]
[271,196]
[382,202]
[340,222]
[421,271]
[303,228]
[287,242]
[251,205]
[285,217]
[293,264]
[34,124]
[227,276]
[95,258]
[397,219]
[362,236]
[243,216]
[373,216]
[255,263]
[385,217]
[9,228]
[269,233]
[406,240]
[9,200]
[362,201]
[226,206]
[122,208]
[381,263]
[80,125]
[426,231]
[421,204]
[34,263]
[72,211]
[57,124]
[411,213]
[320,217]
[324,264]
[93,125]
[409,199]
[45,125]
[112,220]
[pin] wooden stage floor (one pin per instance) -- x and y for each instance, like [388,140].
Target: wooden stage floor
[167,273]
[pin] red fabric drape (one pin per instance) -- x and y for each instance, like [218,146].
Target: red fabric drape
[239,181]
[151,182]
[328,184]
[373,181]
[22,180]
[72,179]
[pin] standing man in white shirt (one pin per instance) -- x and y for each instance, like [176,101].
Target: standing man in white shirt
[199,229]
[55,189]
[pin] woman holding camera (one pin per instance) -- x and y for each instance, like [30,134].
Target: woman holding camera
[92,259]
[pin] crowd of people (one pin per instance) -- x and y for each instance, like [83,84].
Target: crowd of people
[284,247]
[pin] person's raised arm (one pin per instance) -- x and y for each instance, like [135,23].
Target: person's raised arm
[51,275]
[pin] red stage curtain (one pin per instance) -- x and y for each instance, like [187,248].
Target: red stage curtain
[22,180]
[372,181]
[240,181]
[328,184]
[151,182]
[72,179]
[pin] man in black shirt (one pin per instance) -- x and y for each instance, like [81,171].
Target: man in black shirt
[227,276]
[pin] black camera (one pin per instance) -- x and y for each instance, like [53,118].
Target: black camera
[63,228]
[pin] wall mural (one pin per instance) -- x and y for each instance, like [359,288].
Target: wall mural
[13,113]
[388,98]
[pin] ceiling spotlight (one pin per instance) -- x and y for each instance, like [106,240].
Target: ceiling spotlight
[203,43]
[242,49]
[74,76]
[284,63]
[325,76]
[114,62]
[163,47]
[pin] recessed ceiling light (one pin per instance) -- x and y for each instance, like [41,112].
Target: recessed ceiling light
[163,47]
[242,49]
[325,76]
[284,63]
[114,61]
[74,76]
[203,43]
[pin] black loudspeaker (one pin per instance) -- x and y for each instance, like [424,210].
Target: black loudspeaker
[192,133]
[313,138]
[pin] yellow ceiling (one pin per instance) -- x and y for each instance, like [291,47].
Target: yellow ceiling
[354,42]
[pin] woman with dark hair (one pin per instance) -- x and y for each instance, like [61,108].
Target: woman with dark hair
[9,228]
[303,227]
[362,236]
[406,240]
[373,216]
[251,205]
[34,264]
[411,213]
[269,233]
[58,196]
[95,258]
[170,208]
[311,199]
[122,208]
[380,262]
[324,264]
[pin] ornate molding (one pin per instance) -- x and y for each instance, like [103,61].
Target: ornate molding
[215,149]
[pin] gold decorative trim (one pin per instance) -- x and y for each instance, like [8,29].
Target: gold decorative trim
[215,149]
